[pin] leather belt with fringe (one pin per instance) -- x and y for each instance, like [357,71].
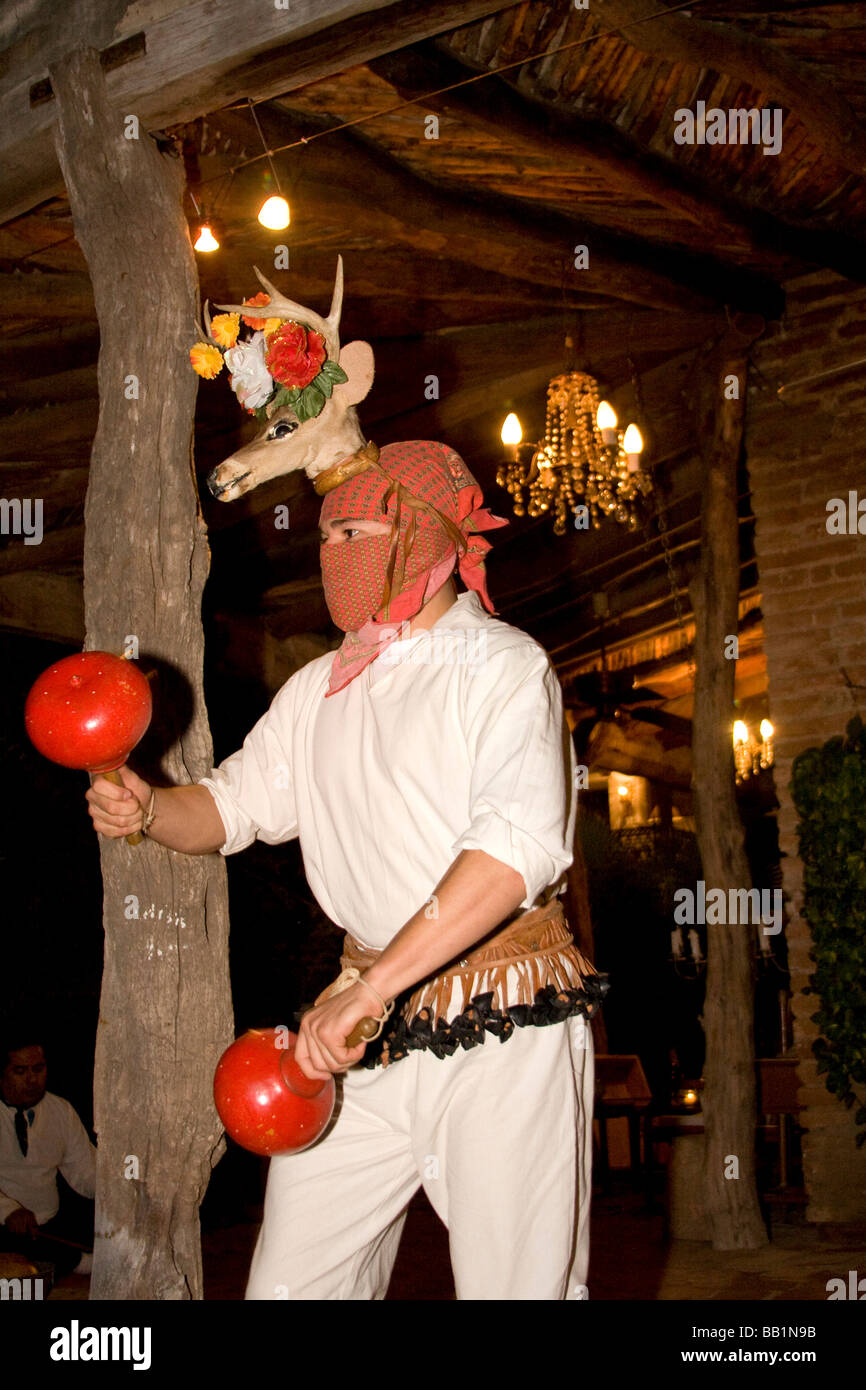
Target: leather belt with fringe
[553,981]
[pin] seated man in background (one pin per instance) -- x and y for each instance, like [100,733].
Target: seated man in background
[41,1134]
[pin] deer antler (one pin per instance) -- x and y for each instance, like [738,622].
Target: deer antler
[282,308]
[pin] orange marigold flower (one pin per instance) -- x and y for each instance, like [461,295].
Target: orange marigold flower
[206,359]
[224,329]
[262,299]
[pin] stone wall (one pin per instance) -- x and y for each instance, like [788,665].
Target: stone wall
[804,448]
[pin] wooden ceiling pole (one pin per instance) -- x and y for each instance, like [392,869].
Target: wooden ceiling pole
[346,176]
[40,296]
[165,1010]
[511,237]
[176,60]
[727,48]
[579,144]
[729,1070]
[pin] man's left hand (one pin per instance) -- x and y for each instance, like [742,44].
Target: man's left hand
[321,1048]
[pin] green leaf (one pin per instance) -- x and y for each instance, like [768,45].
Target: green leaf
[310,403]
[333,371]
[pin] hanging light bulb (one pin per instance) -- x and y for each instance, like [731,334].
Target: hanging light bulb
[606,422]
[206,240]
[274,213]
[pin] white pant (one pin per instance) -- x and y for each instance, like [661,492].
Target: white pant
[500,1137]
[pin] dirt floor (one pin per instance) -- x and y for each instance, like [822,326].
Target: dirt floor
[796,1265]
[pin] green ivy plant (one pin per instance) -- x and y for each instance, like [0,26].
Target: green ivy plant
[829,790]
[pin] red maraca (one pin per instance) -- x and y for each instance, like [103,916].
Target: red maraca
[265,1101]
[89,711]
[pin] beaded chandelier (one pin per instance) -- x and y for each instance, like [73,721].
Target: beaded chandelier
[583,463]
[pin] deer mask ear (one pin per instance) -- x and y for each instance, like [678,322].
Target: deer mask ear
[357,362]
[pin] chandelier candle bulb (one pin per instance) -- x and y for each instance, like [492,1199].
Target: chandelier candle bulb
[633,445]
[511,434]
[606,422]
[677,943]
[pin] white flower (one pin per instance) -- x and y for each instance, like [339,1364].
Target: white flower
[252,383]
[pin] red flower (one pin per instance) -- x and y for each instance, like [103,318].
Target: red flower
[294,355]
[260,298]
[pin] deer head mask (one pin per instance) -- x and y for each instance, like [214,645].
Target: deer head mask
[290,438]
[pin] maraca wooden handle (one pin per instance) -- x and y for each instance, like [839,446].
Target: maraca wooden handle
[136,837]
[363,1031]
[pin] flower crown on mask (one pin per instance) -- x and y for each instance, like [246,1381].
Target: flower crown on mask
[280,363]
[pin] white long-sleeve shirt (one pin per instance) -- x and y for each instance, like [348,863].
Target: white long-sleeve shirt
[56,1139]
[450,740]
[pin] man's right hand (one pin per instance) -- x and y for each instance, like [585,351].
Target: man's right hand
[22,1222]
[118,811]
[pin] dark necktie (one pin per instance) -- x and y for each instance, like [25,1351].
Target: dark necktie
[21,1128]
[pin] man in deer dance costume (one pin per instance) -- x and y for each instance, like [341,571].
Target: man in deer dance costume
[431,784]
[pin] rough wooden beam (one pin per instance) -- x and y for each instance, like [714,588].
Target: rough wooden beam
[60,549]
[388,277]
[43,605]
[464,359]
[38,296]
[464,404]
[58,348]
[350,179]
[199,55]
[77,383]
[42,432]
[630,745]
[735,1220]
[58,488]
[507,237]
[580,144]
[816,103]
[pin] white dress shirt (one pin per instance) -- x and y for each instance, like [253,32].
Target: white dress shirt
[452,739]
[56,1139]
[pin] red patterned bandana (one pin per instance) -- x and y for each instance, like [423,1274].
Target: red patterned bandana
[374,584]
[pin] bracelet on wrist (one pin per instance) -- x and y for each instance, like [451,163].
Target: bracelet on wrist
[387,1009]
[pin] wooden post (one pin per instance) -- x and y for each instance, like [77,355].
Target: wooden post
[575,901]
[165,1010]
[729,1074]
